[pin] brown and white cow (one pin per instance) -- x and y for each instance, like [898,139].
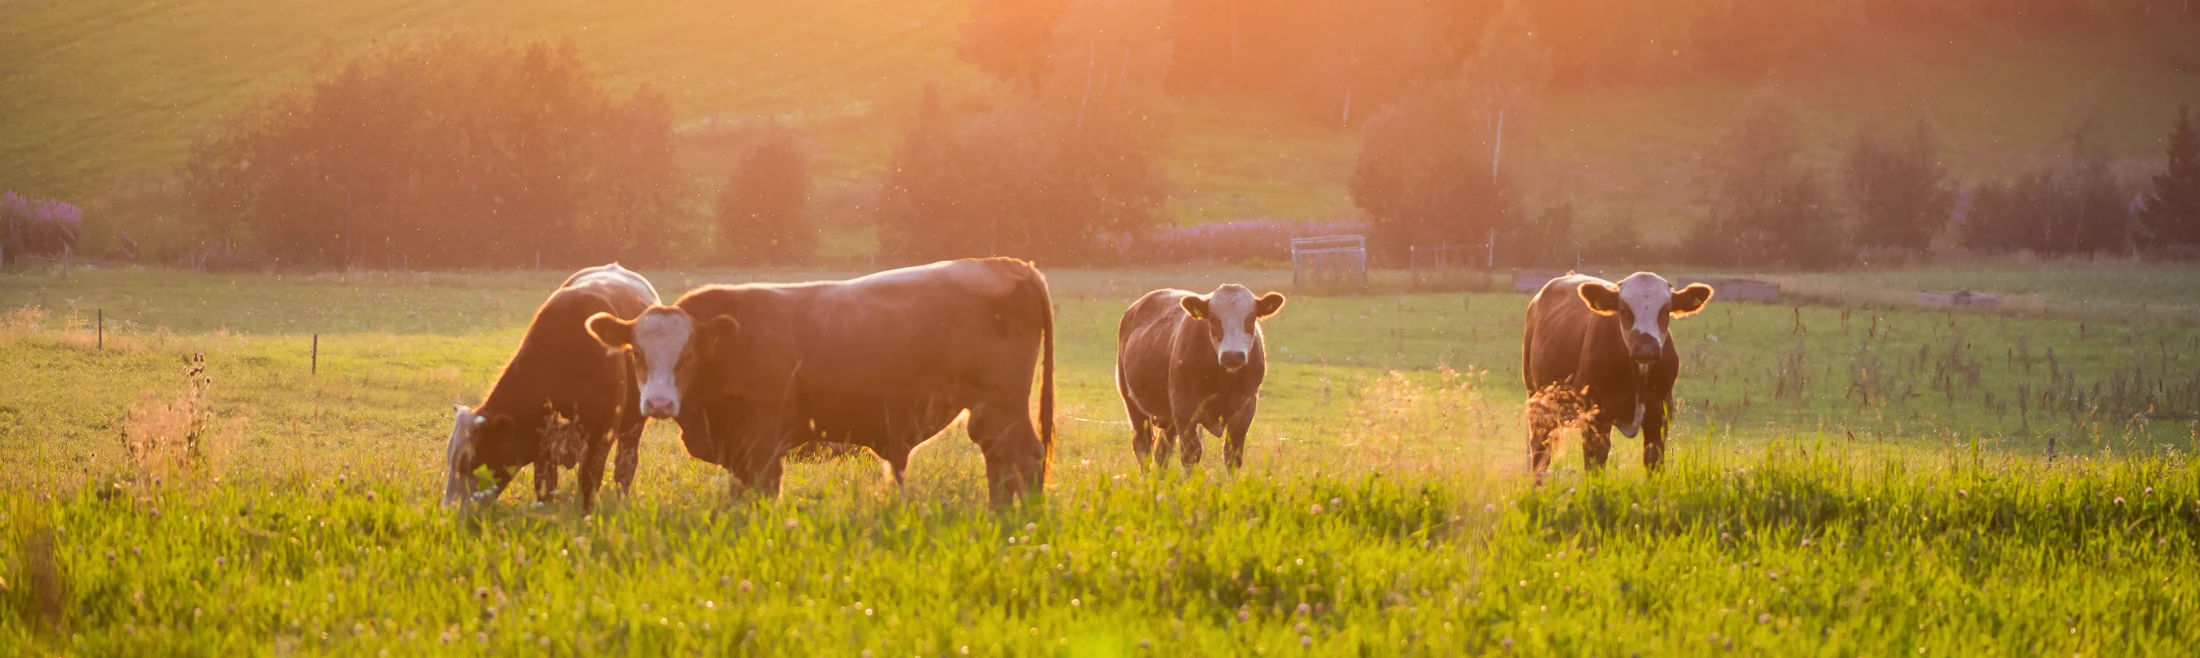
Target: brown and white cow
[1607,344]
[559,397]
[758,364]
[1186,361]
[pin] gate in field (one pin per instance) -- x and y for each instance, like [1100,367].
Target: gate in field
[1329,262]
[1448,266]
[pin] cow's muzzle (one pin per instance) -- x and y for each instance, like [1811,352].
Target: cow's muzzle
[1232,360]
[661,408]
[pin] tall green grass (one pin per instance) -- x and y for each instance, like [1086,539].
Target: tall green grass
[1384,491]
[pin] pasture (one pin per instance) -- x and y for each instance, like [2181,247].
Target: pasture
[1847,477]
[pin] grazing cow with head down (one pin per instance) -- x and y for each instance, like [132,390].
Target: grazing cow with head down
[1186,361]
[1608,345]
[559,397]
[761,368]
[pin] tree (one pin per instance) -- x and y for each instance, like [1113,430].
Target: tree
[445,151]
[2173,209]
[1898,186]
[1432,165]
[764,209]
[1766,206]
[1065,171]
[2073,207]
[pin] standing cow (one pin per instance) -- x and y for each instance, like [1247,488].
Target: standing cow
[1186,361]
[1606,345]
[758,364]
[558,398]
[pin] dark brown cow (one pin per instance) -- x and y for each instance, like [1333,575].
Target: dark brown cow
[1186,361]
[558,397]
[1606,345]
[767,360]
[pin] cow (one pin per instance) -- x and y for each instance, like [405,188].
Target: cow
[558,397]
[1186,362]
[753,366]
[1607,346]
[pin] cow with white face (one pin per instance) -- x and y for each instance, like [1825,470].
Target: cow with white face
[1186,362]
[1609,345]
[745,369]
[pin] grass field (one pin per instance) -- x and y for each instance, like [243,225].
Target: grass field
[1879,481]
[101,99]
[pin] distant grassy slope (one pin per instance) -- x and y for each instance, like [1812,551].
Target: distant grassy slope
[96,94]
[92,92]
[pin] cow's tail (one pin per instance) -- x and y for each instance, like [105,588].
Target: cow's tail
[1045,299]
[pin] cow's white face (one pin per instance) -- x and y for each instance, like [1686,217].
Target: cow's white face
[459,458]
[668,349]
[1644,304]
[1232,316]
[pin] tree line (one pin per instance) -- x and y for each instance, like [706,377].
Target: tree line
[457,151]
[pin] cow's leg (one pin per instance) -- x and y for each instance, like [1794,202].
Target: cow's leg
[546,477]
[1540,427]
[591,471]
[753,453]
[1653,436]
[503,476]
[767,483]
[629,459]
[1142,429]
[896,456]
[1192,445]
[1164,448]
[1596,443]
[1015,459]
[1233,450]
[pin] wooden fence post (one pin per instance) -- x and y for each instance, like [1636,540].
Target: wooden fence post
[316,354]
[102,324]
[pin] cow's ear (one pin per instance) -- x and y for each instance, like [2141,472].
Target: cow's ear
[611,331]
[1268,305]
[1196,306]
[1601,297]
[1687,301]
[714,330]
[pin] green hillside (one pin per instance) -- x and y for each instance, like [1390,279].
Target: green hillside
[99,97]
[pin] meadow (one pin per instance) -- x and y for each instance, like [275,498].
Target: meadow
[1850,476]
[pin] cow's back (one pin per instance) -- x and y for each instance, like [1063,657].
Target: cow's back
[919,328]
[618,284]
[558,352]
[1559,324]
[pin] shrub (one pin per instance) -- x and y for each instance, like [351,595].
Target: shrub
[763,211]
[1431,169]
[1766,207]
[35,226]
[1899,187]
[448,151]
